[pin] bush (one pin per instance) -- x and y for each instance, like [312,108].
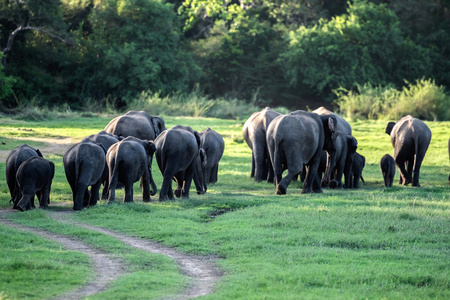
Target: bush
[197,105]
[424,100]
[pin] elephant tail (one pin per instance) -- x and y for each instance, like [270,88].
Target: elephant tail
[114,172]
[362,179]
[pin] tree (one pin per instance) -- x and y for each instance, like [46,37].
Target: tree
[364,45]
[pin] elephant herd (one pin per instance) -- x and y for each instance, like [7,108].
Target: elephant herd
[319,147]
[316,146]
[117,157]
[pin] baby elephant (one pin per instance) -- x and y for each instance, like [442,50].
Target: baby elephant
[34,177]
[387,165]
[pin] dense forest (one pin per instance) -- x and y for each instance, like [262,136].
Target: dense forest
[86,52]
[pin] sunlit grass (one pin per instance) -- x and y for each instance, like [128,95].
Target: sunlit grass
[372,242]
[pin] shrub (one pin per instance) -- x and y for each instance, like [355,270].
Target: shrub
[423,100]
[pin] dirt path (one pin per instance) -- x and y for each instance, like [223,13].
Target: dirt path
[106,267]
[202,271]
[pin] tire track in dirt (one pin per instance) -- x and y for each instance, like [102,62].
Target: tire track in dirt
[202,271]
[106,267]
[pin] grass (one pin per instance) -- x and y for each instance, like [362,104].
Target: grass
[368,243]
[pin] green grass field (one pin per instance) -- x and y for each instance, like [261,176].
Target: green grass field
[373,243]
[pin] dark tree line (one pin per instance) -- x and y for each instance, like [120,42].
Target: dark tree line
[283,51]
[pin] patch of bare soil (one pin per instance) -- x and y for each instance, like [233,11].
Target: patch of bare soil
[106,267]
[202,271]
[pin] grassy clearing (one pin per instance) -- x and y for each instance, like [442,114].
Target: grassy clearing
[367,243]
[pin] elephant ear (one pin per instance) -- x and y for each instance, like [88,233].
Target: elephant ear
[389,127]
[39,153]
[198,138]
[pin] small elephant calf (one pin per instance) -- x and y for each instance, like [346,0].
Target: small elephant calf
[34,177]
[387,165]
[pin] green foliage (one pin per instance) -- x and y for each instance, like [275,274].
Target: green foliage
[6,83]
[364,45]
[424,100]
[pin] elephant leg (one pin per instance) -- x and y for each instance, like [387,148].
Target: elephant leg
[179,178]
[401,169]
[270,171]
[128,197]
[294,167]
[214,173]
[260,162]
[416,173]
[252,173]
[44,199]
[80,196]
[87,196]
[145,183]
[311,176]
[95,189]
[188,175]
[166,185]
[24,202]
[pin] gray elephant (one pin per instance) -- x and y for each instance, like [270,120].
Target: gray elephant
[345,151]
[213,144]
[129,160]
[358,165]
[387,166]
[254,132]
[199,164]
[84,164]
[176,151]
[297,139]
[15,158]
[106,140]
[34,177]
[138,124]
[344,127]
[410,138]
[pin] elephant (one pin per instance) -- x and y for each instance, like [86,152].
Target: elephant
[138,124]
[199,163]
[13,161]
[106,140]
[214,145]
[254,132]
[297,139]
[358,165]
[34,177]
[344,127]
[176,151]
[387,166]
[84,165]
[128,160]
[345,151]
[410,138]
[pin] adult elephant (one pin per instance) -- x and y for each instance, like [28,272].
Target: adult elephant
[345,152]
[34,177]
[176,151]
[200,161]
[15,158]
[84,164]
[213,144]
[346,130]
[138,124]
[128,161]
[410,138]
[106,140]
[297,139]
[254,132]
